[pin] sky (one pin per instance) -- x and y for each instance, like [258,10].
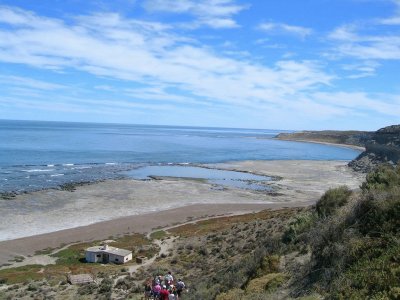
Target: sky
[287,64]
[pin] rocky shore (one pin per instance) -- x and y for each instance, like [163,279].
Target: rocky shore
[382,147]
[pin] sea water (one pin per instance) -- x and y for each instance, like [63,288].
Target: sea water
[38,155]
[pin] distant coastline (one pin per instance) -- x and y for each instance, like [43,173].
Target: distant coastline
[354,147]
[350,138]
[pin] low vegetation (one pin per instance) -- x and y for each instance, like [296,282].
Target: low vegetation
[345,247]
[355,249]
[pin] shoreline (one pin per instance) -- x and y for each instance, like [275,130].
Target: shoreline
[10,194]
[108,207]
[354,147]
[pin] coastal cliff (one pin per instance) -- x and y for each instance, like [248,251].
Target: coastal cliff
[382,147]
[351,137]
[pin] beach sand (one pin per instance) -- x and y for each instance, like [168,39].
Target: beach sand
[115,207]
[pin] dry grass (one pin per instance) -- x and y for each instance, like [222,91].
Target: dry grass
[220,224]
[266,283]
[205,250]
[71,260]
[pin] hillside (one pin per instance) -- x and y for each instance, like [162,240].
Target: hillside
[344,247]
[382,147]
[351,137]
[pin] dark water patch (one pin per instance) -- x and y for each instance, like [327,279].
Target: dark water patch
[222,178]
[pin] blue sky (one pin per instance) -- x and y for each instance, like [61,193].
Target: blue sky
[288,64]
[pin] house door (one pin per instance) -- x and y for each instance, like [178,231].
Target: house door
[106,258]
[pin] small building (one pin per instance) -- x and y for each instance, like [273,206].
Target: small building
[106,254]
[141,259]
[80,278]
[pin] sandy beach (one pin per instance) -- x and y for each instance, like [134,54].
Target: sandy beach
[97,211]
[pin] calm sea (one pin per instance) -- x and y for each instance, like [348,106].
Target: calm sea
[37,155]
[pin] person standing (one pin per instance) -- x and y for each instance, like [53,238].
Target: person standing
[156,290]
[168,279]
[180,286]
[164,294]
[147,291]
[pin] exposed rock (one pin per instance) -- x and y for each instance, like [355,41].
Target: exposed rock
[384,147]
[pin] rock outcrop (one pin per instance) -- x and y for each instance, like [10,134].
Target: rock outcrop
[383,147]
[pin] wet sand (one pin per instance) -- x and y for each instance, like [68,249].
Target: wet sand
[117,202]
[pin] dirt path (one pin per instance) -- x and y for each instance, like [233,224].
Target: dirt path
[165,245]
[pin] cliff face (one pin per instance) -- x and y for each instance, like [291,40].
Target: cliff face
[383,147]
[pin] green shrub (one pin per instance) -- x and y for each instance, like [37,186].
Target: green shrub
[332,200]
[382,178]
[87,289]
[375,275]
[126,283]
[203,251]
[105,286]
[379,213]
[355,255]
[299,225]
[270,264]
[267,283]
[32,287]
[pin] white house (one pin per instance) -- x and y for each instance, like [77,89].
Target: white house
[106,254]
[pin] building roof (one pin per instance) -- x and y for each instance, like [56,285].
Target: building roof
[110,250]
[122,252]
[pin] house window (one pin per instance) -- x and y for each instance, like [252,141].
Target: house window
[98,255]
[126,258]
[116,259]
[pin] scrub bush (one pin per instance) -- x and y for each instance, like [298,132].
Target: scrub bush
[332,200]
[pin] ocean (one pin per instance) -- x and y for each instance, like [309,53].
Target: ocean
[37,155]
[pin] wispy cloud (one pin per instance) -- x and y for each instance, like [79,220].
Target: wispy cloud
[142,53]
[371,40]
[362,69]
[20,81]
[366,46]
[395,19]
[211,13]
[140,66]
[385,104]
[282,28]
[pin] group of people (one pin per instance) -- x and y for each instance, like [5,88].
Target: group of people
[164,288]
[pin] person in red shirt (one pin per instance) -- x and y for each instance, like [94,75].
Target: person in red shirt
[164,293]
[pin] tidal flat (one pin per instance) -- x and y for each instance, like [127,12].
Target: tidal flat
[49,218]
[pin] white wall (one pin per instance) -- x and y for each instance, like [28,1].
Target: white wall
[113,258]
[91,257]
